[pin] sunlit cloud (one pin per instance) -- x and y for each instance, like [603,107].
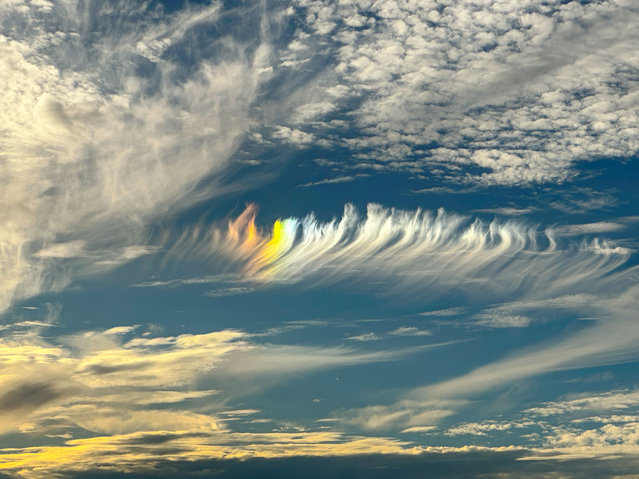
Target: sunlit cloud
[411,251]
[121,387]
[105,130]
[122,123]
[140,452]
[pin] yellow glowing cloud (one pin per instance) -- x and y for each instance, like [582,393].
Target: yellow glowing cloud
[280,242]
[122,390]
[135,453]
[119,391]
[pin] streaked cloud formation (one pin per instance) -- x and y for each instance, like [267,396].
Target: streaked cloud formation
[104,392]
[415,251]
[105,128]
[112,117]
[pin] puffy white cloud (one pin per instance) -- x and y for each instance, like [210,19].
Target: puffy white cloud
[589,403]
[498,92]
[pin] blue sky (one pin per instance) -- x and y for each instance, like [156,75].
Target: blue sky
[385,239]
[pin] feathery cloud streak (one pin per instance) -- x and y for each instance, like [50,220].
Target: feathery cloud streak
[413,251]
[507,273]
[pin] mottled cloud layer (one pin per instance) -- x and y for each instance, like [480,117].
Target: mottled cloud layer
[496,92]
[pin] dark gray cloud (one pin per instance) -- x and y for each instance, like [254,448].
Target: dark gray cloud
[28,396]
[450,465]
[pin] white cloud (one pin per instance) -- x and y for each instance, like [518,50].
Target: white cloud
[330,181]
[612,339]
[291,135]
[591,228]
[606,402]
[501,320]
[415,251]
[365,337]
[402,415]
[522,90]
[480,428]
[71,249]
[456,311]
[103,130]
[409,331]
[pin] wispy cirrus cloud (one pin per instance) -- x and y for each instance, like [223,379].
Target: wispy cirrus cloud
[610,339]
[511,274]
[433,253]
[110,119]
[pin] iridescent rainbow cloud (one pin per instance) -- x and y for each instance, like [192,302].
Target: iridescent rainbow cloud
[420,250]
[261,250]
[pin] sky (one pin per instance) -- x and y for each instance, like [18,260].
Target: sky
[347,238]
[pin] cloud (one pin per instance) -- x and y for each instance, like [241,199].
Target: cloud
[123,380]
[591,228]
[493,93]
[294,136]
[364,337]
[115,397]
[599,425]
[330,181]
[110,119]
[506,211]
[589,403]
[501,320]
[131,407]
[409,331]
[63,250]
[141,453]
[409,252]
[610,340]
[498,274]
[402,415]
[27,396]
[456,311]
[481,429]
[449,463]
